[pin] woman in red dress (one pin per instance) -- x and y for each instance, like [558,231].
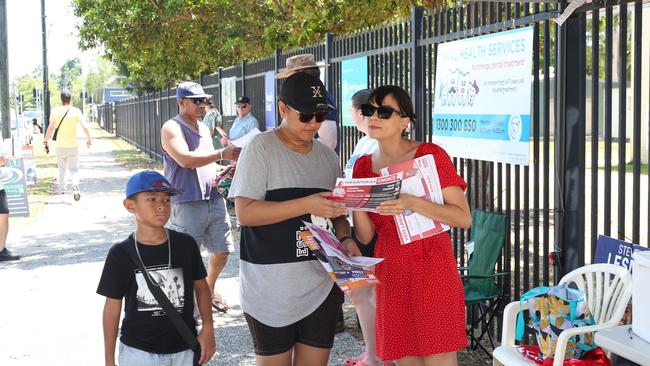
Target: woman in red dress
[420,300]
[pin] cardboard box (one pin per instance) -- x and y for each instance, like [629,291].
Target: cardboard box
[640,295]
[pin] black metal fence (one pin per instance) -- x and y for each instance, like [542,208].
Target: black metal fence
[587,175]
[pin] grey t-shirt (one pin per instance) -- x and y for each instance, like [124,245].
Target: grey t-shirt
[281,282]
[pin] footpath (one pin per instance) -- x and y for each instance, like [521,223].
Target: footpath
[49,311]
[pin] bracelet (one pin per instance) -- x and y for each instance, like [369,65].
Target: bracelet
[346,238]
[220,154]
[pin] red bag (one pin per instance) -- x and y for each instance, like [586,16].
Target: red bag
[595,357]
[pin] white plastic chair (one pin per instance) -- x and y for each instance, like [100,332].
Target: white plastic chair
[607,289]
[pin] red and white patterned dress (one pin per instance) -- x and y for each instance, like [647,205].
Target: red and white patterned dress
[420,299]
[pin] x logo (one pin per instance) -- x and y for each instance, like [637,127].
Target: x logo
[316,92]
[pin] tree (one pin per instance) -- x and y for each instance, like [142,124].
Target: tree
[156,43]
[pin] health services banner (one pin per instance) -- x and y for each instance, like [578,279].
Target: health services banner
[483,97]
[354,77]
[12,178]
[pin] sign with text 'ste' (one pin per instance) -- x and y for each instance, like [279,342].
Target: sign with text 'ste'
[483,97]
[614,251]
[354,77]
[12,177]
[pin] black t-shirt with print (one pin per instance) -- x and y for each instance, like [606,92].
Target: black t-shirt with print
[145,325]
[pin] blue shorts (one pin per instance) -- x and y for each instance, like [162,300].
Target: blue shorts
[130,356]
[207,221]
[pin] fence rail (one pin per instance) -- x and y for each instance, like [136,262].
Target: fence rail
[588,174]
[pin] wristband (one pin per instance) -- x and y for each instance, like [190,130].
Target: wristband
[345,238]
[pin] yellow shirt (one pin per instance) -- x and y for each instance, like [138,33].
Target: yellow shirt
[67,136]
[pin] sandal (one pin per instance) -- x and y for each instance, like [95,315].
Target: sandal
[219,304]
[354,361]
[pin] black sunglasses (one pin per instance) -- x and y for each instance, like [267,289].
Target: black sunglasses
[199,101]
[306,118]
[383,112]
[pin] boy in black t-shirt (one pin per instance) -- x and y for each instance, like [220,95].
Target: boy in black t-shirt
[174,263]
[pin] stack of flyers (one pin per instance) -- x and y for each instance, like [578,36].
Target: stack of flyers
[347,272]
[365,194]
[420,179]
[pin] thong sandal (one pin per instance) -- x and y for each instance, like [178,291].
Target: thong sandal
[219,304]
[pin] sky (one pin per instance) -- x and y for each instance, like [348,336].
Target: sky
[25,37]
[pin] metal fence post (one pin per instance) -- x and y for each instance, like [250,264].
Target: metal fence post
[329,51]
[243,77]
[219,76]
[276,60]
[417,71]
[570,143]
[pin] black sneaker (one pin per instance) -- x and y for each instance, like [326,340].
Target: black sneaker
[5,255]
[75,193]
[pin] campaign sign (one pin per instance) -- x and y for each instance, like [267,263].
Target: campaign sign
[483,97]
[614,251]
[354,77]
[12,177]
[269,100]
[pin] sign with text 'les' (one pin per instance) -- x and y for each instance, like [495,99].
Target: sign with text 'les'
[614,251]
[354,77]
[12,177]
[228,96]
[269,100]
[483,97]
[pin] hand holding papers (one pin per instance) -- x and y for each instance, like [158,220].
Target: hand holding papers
[347,272]
[244,140]
[420,179]
[365,194]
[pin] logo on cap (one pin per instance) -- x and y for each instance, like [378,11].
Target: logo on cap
[316,92]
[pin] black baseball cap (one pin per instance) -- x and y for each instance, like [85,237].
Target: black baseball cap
[305,93]
[243,100]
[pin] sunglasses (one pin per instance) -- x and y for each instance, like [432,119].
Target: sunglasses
[199,101]
[306,118]
[383,112]
[242,106]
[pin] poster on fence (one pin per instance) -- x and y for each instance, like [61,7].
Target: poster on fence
[269,100]
[614,251]
[228,96]
[354,77]
[483,97]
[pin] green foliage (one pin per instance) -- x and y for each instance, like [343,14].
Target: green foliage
[156,43]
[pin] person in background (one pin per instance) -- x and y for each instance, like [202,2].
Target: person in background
[189,163]
[363,297]
[245,121]
[214,122]
[67,118]
[5,254]
[329,132]
[420,299]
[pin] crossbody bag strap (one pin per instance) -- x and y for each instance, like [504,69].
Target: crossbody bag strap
[56,130]
[163,301]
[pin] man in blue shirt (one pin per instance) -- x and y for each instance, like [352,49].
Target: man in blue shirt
[245,121]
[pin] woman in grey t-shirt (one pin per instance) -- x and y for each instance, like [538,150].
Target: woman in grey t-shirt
[283,178]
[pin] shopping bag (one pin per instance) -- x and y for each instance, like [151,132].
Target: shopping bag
[552,310]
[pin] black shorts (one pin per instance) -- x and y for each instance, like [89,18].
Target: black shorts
[316,329]
[367,250]
[4,207]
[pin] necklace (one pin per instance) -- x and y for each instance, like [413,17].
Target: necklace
[193,127]
[169,264]
[293,142]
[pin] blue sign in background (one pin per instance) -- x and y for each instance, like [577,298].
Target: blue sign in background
[354,77]
[269,100]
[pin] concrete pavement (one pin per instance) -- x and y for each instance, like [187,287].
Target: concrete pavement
[49,311]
